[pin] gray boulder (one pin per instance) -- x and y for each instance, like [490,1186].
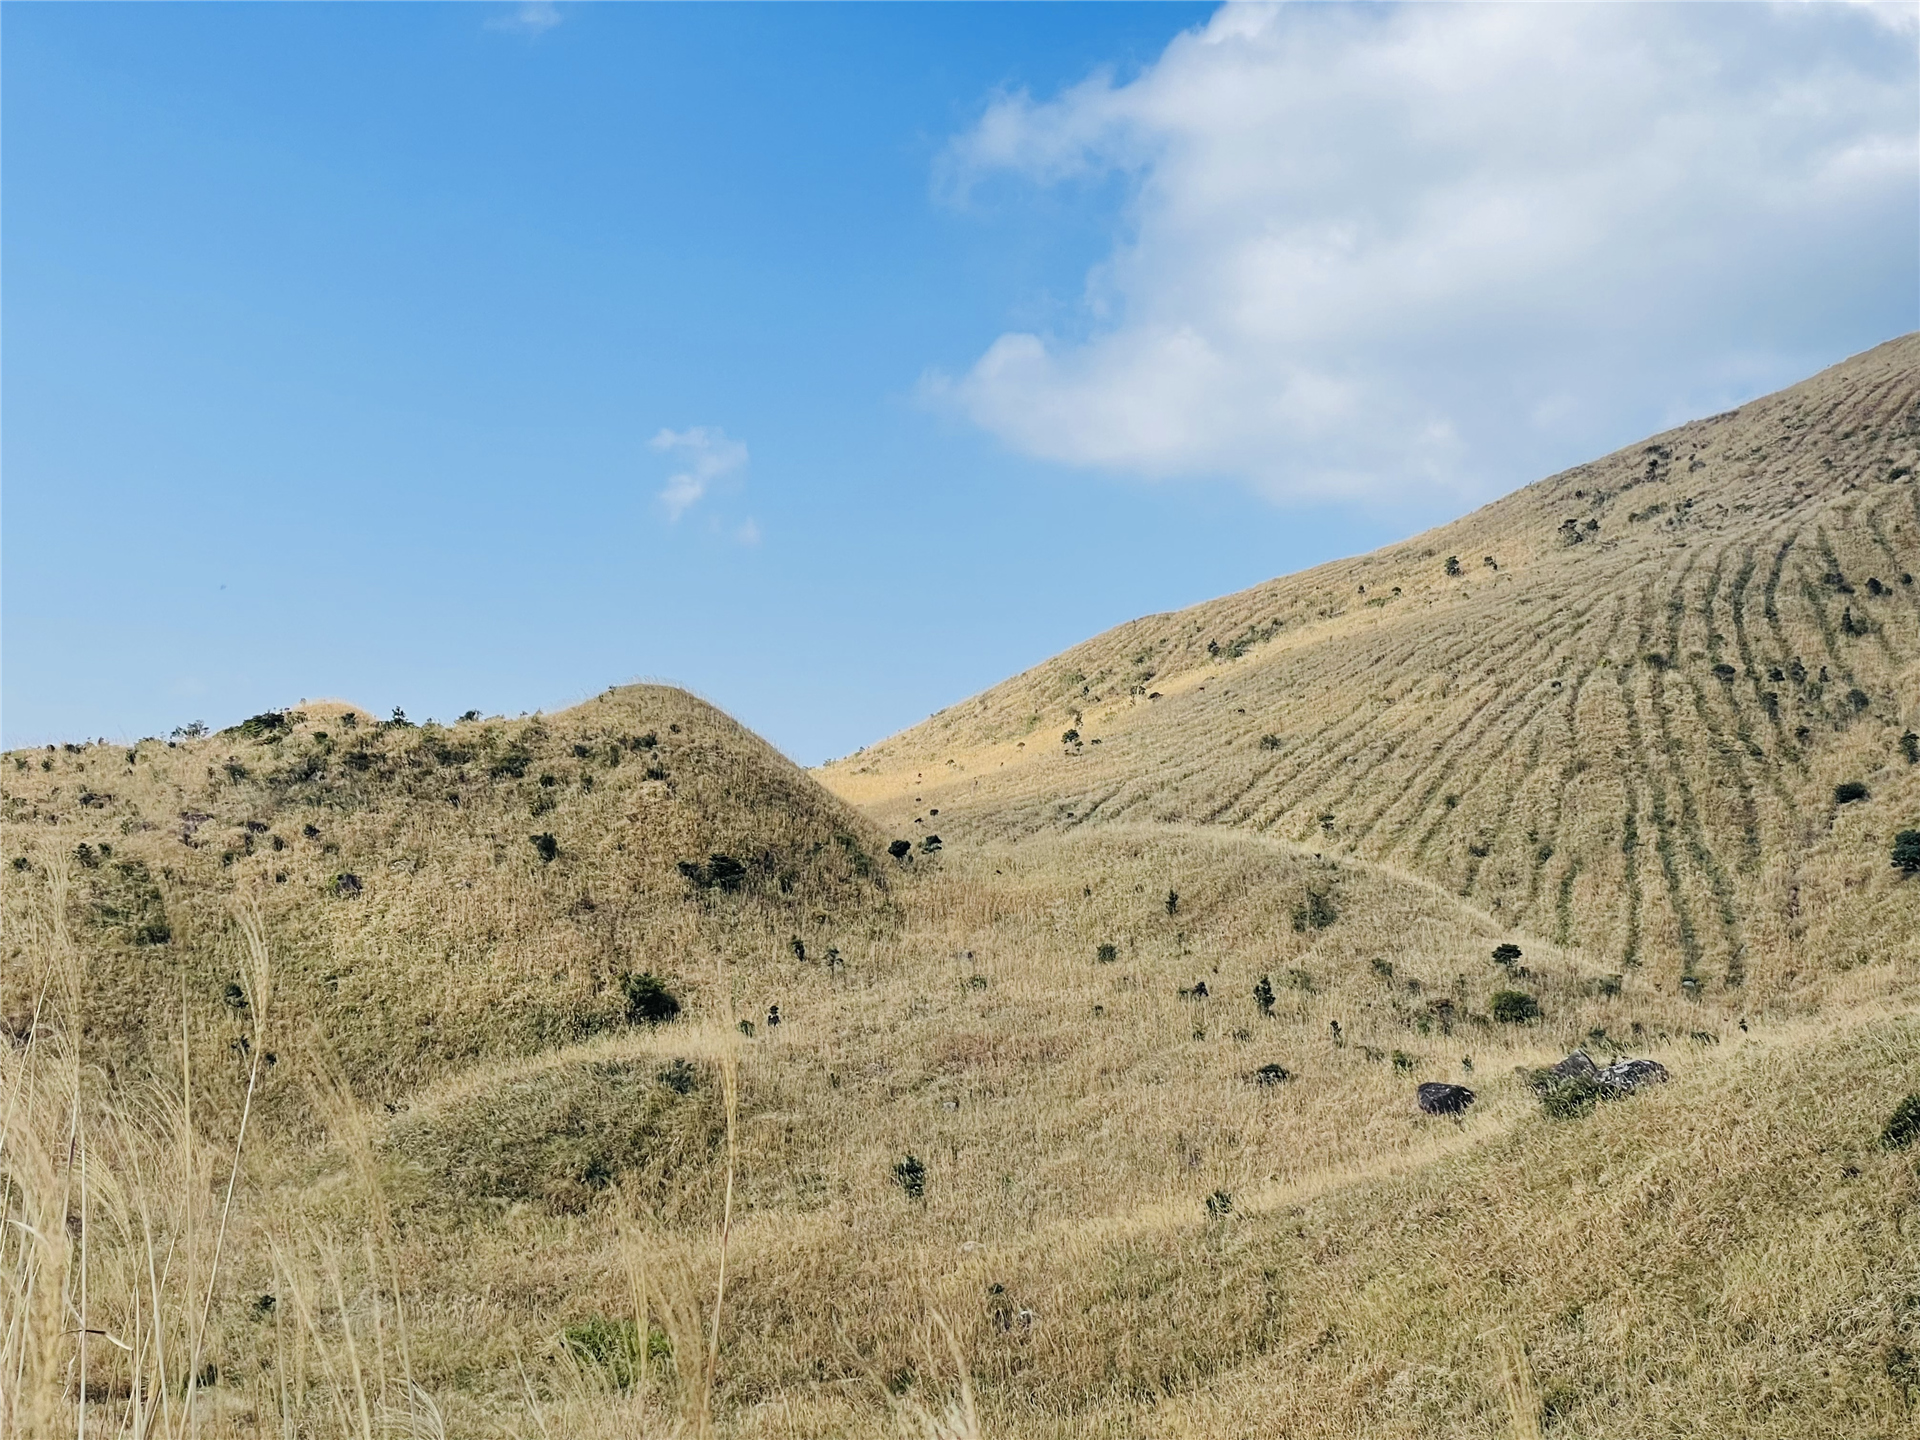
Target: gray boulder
[1623,1077]
[1438,1099]
[1577,1066]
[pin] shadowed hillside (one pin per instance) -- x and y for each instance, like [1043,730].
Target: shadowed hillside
[1612,708]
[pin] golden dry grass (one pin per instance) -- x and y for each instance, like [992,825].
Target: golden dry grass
[484,1200]
[1629,743]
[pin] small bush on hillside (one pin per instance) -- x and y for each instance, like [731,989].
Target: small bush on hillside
[192,730]
[1219,1204]
[1513,1007]
[1453,565]
[721,872]
[346,884]
[1106,954]
[1382,967]
[511,763]
[799,948]
[1906,851]
[911,1176]
[1316,912]
[649,1001]
[1903,1126]
[1565,1097]
[1263,994]
[1910,747]
[260,727]
[1848,791]
[1269,742]
[900,849]
[467,717]
[1506,953]
[1271,1075]
[545,846]
[1402,1062]
[1173,901]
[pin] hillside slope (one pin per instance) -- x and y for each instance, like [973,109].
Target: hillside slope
[1620,724]
[436,894]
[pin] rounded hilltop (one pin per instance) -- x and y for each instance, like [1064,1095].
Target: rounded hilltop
[441,891]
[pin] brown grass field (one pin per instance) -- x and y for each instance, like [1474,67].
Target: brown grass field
[340,1098]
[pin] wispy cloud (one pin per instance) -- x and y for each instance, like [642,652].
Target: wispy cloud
[536,17]
[707,455]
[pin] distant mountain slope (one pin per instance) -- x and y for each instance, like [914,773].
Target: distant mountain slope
[1612,707]
[436,893]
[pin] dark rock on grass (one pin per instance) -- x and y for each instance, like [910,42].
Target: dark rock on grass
[1573,1087]
[1579,1065]
[1623,1077]
[1438,1099]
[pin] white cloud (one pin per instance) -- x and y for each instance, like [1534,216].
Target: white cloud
[747,532]
[707,454]
[533,18]
[1374,253]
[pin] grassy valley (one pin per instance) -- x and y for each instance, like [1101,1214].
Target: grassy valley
[1052,1068]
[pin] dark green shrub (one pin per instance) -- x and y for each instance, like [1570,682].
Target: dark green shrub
[1724,672]
[346,883]
[1106,954]
[799,948]
[1263,994]
[721,872]
[1173,901]
[1219,1204]
[1910,747]
[1269,742]
[1271,1075]
[1505,953]
[1402,1062]
[511,763]
[1383,968]
[1566,1097]
[546,845]
[468,716]
[1903,1126]
[649,1001]
[1906,851]
[911,1176]
[1453,565]
[1316,912]
[900,849]
[1848,791]
[1513,1007]
[1071,737]
[261,726]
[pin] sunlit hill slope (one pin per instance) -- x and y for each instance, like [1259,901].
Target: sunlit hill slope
[1612,708]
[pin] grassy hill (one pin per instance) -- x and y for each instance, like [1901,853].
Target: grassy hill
[604,1071]
[1613,708]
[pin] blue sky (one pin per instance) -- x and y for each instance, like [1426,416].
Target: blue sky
[837,362]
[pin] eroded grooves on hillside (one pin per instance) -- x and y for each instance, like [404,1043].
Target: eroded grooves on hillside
[1738,581]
